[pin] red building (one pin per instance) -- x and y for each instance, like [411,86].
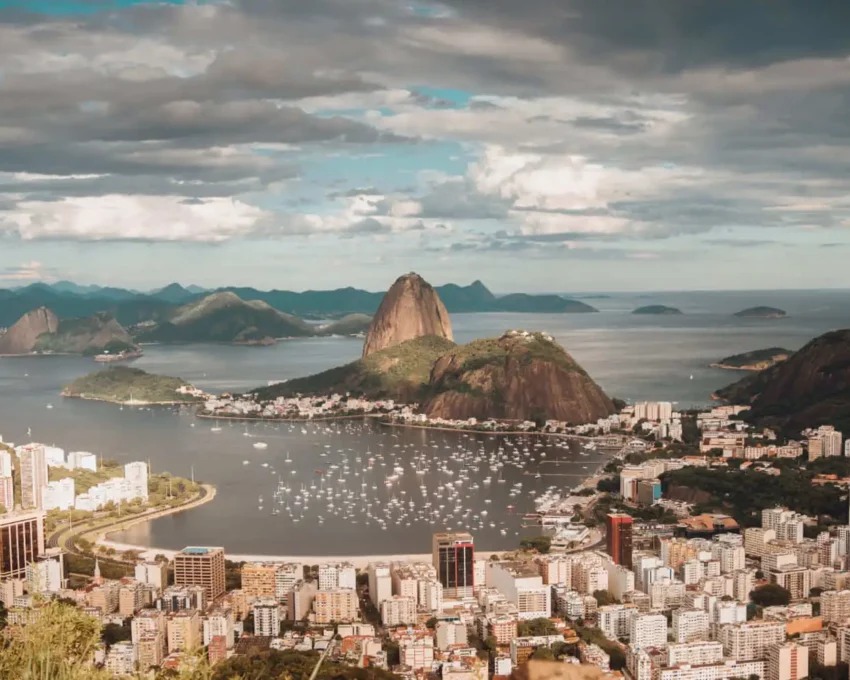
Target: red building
[619,538]
[217,650]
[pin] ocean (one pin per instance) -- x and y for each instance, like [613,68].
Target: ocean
[631,357]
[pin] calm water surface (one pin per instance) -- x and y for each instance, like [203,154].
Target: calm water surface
[632,357]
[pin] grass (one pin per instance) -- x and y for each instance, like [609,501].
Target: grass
[123,383]
[86,479]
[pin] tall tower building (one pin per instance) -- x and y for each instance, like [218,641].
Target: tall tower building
[619,538]
[454,559]
[201,567]
[21,542]
[33,475]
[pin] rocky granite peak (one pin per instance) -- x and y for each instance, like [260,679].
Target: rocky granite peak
[21,338]
[410,309]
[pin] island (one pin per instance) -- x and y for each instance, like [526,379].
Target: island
[657,310]
[132,386]
[756,360]
[762,313]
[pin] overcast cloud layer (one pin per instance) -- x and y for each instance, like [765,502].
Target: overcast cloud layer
[539,145]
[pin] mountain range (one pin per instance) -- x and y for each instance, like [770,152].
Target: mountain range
[129,307]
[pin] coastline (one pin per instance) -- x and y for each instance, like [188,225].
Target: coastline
[748,367]
[283,420]
[133,402]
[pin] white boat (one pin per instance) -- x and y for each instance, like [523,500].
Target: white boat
[215,429]
[50,406]
[246,462]
[261,445]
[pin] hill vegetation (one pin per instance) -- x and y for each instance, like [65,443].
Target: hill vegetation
[518,376]
[351,324]
[762,313]
[657,310]
[756,360]
[398,372]
[123,385]
[810,388]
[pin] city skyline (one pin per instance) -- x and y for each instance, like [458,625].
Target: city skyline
[557,147]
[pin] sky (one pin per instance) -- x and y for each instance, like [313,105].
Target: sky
[541,145]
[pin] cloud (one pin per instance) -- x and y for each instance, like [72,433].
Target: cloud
[139,218]
[26,272]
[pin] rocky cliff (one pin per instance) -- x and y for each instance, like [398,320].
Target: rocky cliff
[410,309]
[90,335]
[810,388]
[521,376]
[21,338]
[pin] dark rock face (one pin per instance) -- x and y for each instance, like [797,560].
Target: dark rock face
[810,388]
[21,338]
[520,376]
[410,309]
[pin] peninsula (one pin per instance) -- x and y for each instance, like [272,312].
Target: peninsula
[657,310]
[761,313]
[42,332]
[126,385]
[756,360]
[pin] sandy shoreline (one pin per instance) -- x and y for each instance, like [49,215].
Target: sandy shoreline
[134,402]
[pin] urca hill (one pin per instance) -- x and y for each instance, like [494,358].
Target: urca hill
[409,355]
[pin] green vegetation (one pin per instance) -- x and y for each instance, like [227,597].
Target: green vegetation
[541,544]
[290,664]
[225,317]
[85,479]
[743,494]
[755,360]
[123,384]
[351,324]
[603,597]
[770,595]
[89,335]
[111,347]
[400,371]
[657,310]
[595,636]
[541,626]
[495,351]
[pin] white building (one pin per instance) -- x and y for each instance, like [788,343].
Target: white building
[750,641]
[46,575]
[152,573]
[690,625]
[450,633]
[58,495]
[380,582]
[333,576]
[137,474]
[417,653]
[266,617]
[219,623]
[121,659]
[5,464]
[398,611]
[620,580]
[81,460]
[648,630]
[523,586]
[615,620]
[431,596]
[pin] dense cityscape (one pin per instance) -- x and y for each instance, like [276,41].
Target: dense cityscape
[626,574]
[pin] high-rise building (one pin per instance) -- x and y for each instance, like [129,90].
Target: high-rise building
[337,575]
[58,495]
[267,617]
[788,661]
[184,630]
[398,611]
[5,464]
[835,606]
[7,491]
[648,630]
[380,583]
[259,579]
[137,474]
[153,573]
[750,641]
[690,625]
[619,538]
[219,623]
[336,606]
[33,473]
[615,620]
[21,542]
[454,559]
[196,566]
[47,573]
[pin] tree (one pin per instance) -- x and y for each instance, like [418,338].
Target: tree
[431,623]
[541,544]
[113,633]
[609,484]
[541,626]
[604,597]
[770,595]
[543,654]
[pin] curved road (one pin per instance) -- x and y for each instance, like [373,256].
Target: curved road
[59,539]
